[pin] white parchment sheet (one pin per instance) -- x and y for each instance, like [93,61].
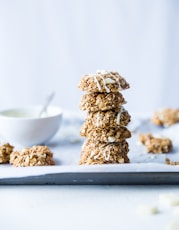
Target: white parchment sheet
[66,146]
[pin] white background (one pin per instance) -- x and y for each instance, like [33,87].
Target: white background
[48,45]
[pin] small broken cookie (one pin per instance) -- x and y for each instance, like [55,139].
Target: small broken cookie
[5,150]
[155,144]
[166,117]
[35,156]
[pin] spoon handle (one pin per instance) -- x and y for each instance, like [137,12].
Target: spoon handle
[47,102]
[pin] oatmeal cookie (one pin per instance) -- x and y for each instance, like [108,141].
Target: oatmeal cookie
[155,144]
[108,135]
[166,117]
[110,118]
[103,81]
[102,153]
[5,150]
[102,101]
[35,156]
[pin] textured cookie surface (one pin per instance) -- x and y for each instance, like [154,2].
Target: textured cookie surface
[103,81]
[110,118]
[35,156]
[102,153]
[102,101]
[155,144]
[5,151]
[108,135]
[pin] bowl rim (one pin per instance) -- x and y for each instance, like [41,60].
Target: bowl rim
[58,112]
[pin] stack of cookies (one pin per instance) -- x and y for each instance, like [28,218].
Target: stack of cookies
[106,120]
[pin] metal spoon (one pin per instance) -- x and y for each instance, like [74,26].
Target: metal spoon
[47,102]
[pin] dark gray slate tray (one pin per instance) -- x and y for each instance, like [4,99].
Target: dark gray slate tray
[96,178]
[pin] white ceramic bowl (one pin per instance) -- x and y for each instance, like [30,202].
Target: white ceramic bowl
[23,126]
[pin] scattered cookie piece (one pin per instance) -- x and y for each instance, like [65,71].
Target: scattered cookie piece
[35,156]
[103,82]
[5,150]
[169,162]
[166,117]
[155,144]
[147,210]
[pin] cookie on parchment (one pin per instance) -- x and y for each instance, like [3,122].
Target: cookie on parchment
[35,156]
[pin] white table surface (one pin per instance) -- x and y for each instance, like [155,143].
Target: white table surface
[84,207]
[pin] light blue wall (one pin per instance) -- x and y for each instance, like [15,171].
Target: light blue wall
[48,45]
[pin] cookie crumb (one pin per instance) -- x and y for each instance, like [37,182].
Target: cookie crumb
[169,162]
